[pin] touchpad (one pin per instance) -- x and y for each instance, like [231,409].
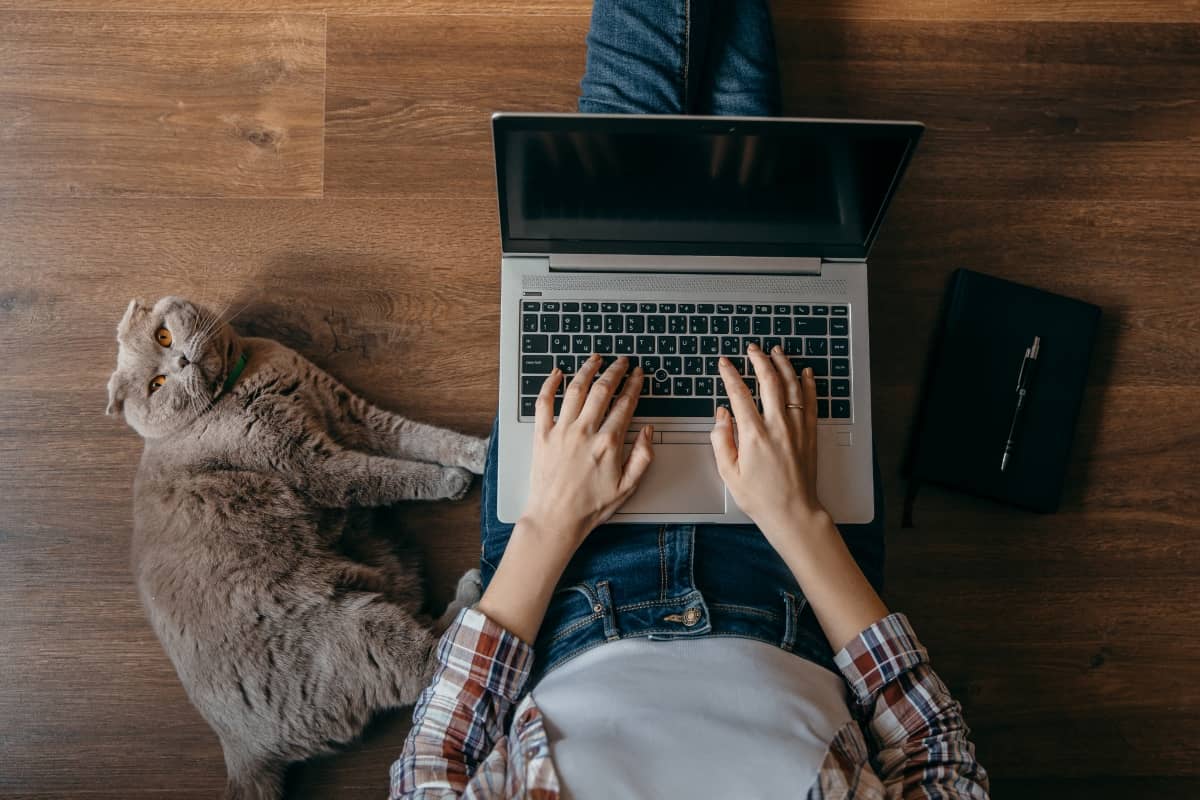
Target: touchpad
[682,480]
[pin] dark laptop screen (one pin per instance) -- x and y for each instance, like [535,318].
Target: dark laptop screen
[699,186]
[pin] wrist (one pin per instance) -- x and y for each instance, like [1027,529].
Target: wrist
[803,534]
[551,533]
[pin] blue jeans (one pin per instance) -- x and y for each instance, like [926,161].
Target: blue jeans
[676,581]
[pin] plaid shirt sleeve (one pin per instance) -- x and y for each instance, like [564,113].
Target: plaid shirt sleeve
[457,745]
[916,729]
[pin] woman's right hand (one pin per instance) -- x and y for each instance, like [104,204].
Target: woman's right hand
[771,466]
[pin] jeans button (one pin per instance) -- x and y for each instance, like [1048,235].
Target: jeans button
[691,617]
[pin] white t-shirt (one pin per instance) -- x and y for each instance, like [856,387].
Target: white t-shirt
[695,718]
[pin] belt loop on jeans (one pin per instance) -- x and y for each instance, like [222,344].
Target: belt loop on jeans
[792,608]
[604,600]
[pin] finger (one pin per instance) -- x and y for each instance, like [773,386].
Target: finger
[622,408]
[543,409]
[742,402]
[637,462]
[770,387]
[596,405]
[793,392]
[577,391]
[808,385]
[723,445]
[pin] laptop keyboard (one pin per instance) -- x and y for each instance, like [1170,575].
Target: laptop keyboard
[678,345]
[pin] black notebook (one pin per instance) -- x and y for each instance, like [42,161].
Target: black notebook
[971,392]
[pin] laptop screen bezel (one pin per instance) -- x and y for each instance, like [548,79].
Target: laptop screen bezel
[506,123]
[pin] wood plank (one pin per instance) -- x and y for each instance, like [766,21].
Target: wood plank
[1162,11]
[161,104]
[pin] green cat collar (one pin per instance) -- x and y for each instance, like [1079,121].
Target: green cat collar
[234,373]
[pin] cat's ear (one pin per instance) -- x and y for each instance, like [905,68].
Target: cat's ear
[135,308]
[116,395]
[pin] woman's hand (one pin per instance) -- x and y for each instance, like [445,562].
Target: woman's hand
[580,475]
[771,471]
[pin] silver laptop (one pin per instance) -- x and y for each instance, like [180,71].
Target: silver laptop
[676,240]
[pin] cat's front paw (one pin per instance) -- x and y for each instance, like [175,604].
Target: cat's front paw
[456,481]
[470,588]
[476,456]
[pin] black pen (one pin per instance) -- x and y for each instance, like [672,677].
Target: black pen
[1024,384]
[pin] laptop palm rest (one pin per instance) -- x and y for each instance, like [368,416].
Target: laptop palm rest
[682,480]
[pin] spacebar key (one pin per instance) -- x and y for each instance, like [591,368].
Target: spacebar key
[674,407]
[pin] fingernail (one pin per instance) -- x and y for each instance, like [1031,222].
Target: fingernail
[808,372]
[723,360]
[554,372]
[753,347]
[778,350]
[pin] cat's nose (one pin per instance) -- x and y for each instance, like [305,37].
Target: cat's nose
[183,361]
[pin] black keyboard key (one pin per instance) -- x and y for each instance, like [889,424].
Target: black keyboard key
[681,387]
[532,384]
[633,360]
[529,323]
[839,327]
[687,308]
[602,344]
[628,308]
[823,409]
[689,345]
[648,308]
[839,347]
[739,364]
[650,363]
[724,308]
[593,323]
[705,308]
[666,308]
[840,311]
[666,344]
[661,385]
[560,343]
[697,324]
[614,323]
[841,409]
[751,384]
[645,344]
[581,343]
[676,324]
[740,325]
[783,326]
[762,309]
[693,365]
[635,324]
[530,305]
[730,346]
[810,327]
[674,407]
[841,387]
[800,311]
[565,363]
[572,323]
[580,361]
[608,308]
[704,386]
[589,308]
[710,345]
[820,311]
[751,340]
[673,365]
[549,323]
[840,368]
[656,324]
[552,307]
[745,308]
[624,346]
[536,365]
[528,406]
[719,325]
[712,366]
[814,346]
[535,343]
[819,366]
[762,325]
[645,385]
[793,347]
[721,390]
[822,387]
[570,308]
[769,343]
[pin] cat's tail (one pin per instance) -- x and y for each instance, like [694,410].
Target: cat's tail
[251,779]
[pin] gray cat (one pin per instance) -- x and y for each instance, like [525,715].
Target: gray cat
[244,502]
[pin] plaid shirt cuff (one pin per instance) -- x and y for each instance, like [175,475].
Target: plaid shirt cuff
[484,653]
[878,655]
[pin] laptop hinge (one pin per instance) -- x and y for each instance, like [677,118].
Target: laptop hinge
[589,262]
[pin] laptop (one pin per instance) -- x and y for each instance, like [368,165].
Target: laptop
[674,240]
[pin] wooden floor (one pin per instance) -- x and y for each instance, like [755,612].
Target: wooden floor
[328,163]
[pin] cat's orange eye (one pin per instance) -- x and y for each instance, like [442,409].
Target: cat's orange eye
[156,382]
[163,337]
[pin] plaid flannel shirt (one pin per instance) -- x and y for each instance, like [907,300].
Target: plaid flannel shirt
[909,740]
